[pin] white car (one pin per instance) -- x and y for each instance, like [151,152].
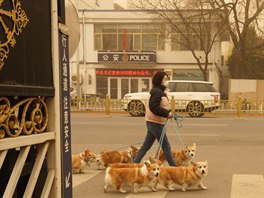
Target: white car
[194,97]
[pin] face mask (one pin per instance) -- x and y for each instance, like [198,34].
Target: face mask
[166,84]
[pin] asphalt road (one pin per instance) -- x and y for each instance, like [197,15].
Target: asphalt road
[233,147]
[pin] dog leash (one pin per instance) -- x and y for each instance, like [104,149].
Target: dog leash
[178,119]
[161,139]
[127,146]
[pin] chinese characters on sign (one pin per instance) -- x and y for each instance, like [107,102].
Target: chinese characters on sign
[127,72]
[65,117]
[127,57]
[66,106]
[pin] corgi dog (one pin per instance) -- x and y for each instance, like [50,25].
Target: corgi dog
[151,160]
[108,157]
[79,162]
[182,157]
[185,176]
[135,177]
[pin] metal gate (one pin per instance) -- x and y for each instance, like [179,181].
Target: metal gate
[33,70]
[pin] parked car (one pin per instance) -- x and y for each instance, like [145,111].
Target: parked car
[194,97]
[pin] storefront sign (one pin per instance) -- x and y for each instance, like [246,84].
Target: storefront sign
[127,72]
[127,57]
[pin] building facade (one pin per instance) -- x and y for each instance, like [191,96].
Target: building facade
[120,50]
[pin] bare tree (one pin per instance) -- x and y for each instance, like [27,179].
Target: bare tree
[194,25]
[244,14]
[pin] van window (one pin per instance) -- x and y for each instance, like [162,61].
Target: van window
[190,87]
[202,87]
[179,86]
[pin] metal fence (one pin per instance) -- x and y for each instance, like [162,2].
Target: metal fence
[108,106]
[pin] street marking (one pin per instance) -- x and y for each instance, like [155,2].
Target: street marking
[79,178]
[208,125]
[102,123]
[193,134]
[130,123]
[247,186]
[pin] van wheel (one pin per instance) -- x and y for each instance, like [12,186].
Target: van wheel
[136,108]
[195,109]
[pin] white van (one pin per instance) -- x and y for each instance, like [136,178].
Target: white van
[194,97]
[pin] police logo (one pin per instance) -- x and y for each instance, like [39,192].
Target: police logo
[125,57]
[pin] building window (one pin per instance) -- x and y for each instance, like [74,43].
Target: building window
[110,42]
[97,41]
[136,41]
[149,42]
[181,35]
[175,38]
[131,37]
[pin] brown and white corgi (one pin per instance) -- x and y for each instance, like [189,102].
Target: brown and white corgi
[79,162]
[134,177]
[108,157]
[182,157]
[185,176]
[151,160]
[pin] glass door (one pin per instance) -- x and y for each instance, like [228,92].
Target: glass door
[113,88]
[118,87]
[124,87]
[133,85]
[144,84]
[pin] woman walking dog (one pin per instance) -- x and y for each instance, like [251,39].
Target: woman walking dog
[157,111]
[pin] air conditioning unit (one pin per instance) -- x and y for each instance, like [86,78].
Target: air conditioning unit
[74,79]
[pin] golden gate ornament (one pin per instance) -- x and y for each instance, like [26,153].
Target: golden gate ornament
[19,20]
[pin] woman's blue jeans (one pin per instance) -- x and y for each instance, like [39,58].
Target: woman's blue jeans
[154,133]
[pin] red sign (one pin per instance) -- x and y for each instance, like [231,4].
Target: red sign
[127,72]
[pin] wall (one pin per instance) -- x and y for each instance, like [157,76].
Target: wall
[249,89]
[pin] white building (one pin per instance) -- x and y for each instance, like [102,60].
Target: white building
[120,50]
